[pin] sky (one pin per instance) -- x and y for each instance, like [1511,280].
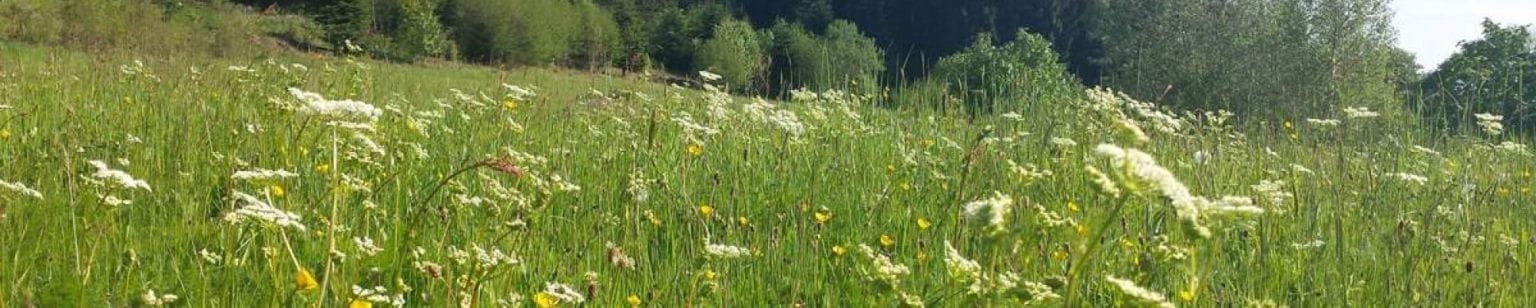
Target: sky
[1430,29]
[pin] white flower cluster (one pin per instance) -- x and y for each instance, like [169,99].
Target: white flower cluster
[881,268]
[118,177]
[1491,124]
[152,299]
[1360,113]
[378,294]
[482,257]
[21,189]
[1325,122]
[993,212]
[726,251]
[262,174]
[261,211]
[1187,206]
[318,106]
[1134,291]
[564,292]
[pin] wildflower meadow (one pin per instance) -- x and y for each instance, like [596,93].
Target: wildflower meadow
[324,182]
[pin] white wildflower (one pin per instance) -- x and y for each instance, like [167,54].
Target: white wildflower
[1324,122]
[881,268]
[1131,289]
[115,201]
[1272,191]
[258,210]
[1424,150]
[564,292]
[21,189]
[319,106]
[378,294]
[992,211]
[210,257]
[1360,113]
[262,174]
[726,251]
[155,300]
[1491,124]
[1410,178]
[1307,245]
[1063,142]
[366,245]
[1513,148]
[959,267]
[708,76]
[118,176]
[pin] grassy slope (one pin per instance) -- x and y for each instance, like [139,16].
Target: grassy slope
[1385,242]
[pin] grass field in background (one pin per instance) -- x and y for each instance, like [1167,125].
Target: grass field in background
[225,183]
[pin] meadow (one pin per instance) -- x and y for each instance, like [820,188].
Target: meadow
[305,181]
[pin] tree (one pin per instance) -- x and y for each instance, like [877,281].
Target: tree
[734,53]
[1495,74]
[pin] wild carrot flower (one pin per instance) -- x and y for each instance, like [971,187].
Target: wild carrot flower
[1130,288]
[992,212]
[726,251]
[1360,113]
[262,174]
[960,268]
[256,209]
[564,293]
[318,106]
[156,300]
[21,189]
[1491,124]
[118,177]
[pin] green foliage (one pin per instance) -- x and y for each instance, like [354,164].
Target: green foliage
[843,59]
[1279,59]
[1495,75]
[989,78]
[408,30]
[296,30]
[597,44]
[734,53]
[857,61]
[189,28]
[345,20]
[520,32]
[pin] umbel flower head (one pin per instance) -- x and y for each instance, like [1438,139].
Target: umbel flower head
[1140,172]
[118,177]
[991,212]
[317,106]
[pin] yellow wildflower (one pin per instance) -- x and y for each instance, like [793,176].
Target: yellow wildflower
[277,191]
[709,274]
[1187,295]
[545,300]
[6,134]
[511,105]
[1082,230]
[706,211]
[306,281]
[743,221]
[886,240]
[823,216]
[1072,206]
[323,168]
[924,224]
[695,149]
[839,251]
[360,303]
[633,300]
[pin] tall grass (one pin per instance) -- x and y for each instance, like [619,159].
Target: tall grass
[818,191]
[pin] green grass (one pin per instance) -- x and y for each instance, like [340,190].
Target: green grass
[1461,239]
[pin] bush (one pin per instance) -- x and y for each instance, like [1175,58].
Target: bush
[988,77]
[798,59]
[523,32]
[597,42]
[857,62]
[734,53]
[410,30]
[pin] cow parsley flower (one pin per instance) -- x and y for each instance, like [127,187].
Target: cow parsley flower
[262,174]
[959,267]
[1410,178]
[992,211]
[1324,122]
[1130,288]
[1272,191]
[258,210]
[118,176]
[1491,124]
[881,268]
[1360,113]
[152,299]
[726,251]
[21,189]
[564,293]
[318,106]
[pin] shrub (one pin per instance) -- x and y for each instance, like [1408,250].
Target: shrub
[857,63]
[798,59]
[597,40]
[989,77]
[734,53]
[524,32]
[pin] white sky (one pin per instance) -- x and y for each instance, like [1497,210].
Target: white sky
[1430,29]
